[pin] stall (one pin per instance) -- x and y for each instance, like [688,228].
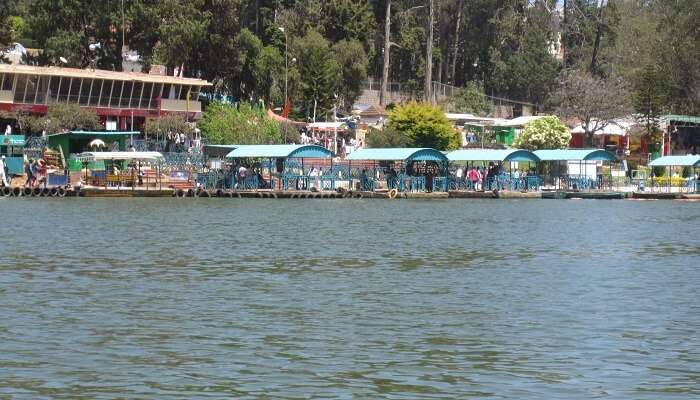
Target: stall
[579,169]
[518,176]
[679,183]
[297,167]
[12,147]
[122,169]
[403,169]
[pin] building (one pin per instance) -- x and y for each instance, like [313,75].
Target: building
[122,100]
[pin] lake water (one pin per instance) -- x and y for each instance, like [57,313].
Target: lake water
[235,298]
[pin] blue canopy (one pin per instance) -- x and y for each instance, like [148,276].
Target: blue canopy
[398,154]
[685,161]
[279,151]
[492,155]
[575,155]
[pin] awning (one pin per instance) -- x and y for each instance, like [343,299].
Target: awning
[575,155]
[279,151]
[614,128]
[118,155]
[98,133]
[12,140]
[397,154]
[492,155]
[519,121]
[681,161]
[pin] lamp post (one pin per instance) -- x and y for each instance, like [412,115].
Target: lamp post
[286,64]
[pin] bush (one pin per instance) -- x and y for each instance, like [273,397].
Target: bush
[424,125]
[544,133]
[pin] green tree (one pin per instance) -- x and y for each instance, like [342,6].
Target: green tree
[473,100]
[352,61]
[66,116]
[387,137]
[543,133]
[424,125]
[238,124]
[648,98]
[6,33]
[319,74]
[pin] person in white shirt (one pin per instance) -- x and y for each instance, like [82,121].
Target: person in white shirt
[8,130]
[3,176]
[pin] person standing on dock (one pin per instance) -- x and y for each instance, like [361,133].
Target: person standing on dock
[3,172]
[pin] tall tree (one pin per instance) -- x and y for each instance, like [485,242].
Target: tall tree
[385,53]
[649,97]
[427,89]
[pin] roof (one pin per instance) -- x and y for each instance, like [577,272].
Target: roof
[12,140]
[519,121]
[398,154]
[681,118]
[687,160]
[282,119]
[372,110]
[619,127]
[100,74]
[492,155]
[575,155]
[326,125]
[98,133]
[118,155]
[458,116]
[279,151]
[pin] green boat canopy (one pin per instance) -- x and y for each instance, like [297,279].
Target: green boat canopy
[279,151]
[398,154]
[681,161]
[575,155]
[492,155]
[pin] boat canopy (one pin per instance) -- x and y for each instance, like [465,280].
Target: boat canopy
[398,154]
[492,155]
[575,155]
[91,156]
[684,161]
[279,151]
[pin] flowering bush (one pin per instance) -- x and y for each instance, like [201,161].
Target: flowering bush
[543,133]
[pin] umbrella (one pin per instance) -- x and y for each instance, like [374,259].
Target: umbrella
[97,143]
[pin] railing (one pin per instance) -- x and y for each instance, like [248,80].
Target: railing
[506,182]
[305,182]
[405,183]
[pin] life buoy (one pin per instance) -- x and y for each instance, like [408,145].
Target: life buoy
[6,191]
[61,192]
[17,191]
[53,192]
[203,193]
[357,196]
[219,193]
[393,193]
[190,193]
[35,192]
[273,195]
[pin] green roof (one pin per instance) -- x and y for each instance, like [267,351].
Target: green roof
[681,118]
[98,133]
[575,155]
[12,140]
[279,151]
[398,154]
[685,161]
[492,155]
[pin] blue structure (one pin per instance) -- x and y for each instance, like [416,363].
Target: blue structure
[12,147]
[692,161]
[579,181]
[403,169]
[497,178]
[285,160]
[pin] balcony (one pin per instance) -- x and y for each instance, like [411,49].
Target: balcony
[190,106]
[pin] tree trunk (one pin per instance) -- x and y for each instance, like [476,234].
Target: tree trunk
[387,48]
[564,27]
[429,54]
[455,47]
[598,34]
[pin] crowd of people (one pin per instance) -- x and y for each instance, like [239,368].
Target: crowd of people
[36,172]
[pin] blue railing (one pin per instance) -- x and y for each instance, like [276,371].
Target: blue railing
[507,182]
[305,182]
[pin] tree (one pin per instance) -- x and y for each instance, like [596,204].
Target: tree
[424,125]
[65,116]
[352,61]
[319,74]
[238,124]
[163,125]
[472,100]
[648,97]
[387,137]
[592,100]
[543,133]
[6,33]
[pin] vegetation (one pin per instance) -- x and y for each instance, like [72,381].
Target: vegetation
[423,125]
[163,125]
[544,133]
[649,98]
[387,137]
[236,124]
[472,100]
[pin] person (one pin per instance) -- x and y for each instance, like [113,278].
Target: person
[473,177]
[459,175]
[28,172]
[3,172]
[480,179]
[43,175]
[8,130]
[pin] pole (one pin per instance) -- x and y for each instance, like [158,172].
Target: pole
[286,67]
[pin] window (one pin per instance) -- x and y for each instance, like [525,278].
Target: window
[20,88]
[95,92]
[157,91]
[167,89]
[136,95]
[75,90]
[31,89]
[116,93]
[126,94]
[7,81]
[64,89]
[53,89]
[106,92]
[42,88]
[84,98]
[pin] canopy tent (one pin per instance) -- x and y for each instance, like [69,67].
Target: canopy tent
[92,156]
[575,155]
[279,151]
[681,161]
[492,155]
[217,150]
[77,141]
[618,127]
[398,154]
